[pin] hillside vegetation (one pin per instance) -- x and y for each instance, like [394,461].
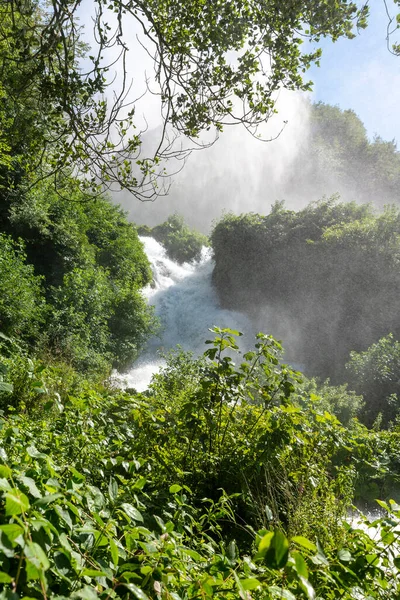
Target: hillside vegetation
[326,279]
[232,475]
[336,156]
[219,482]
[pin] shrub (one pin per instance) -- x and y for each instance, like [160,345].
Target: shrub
[21,293]
[181,243]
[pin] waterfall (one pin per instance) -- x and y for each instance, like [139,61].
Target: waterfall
[187,306]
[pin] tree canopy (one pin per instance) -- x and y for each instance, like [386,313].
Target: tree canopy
[216,64]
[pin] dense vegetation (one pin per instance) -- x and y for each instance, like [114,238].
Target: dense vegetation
[326,279]
[220,481]
[93,510]
[336,156]
[181,243]
[78,267]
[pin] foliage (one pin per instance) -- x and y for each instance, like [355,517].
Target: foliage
[338,150]
[91,266]
[215,425]
[18,281]
[87,514]
[181,243]
[55,117]
[375,373]
[325,279]
[338,400]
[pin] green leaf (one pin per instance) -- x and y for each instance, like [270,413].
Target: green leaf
[6,387]
[34,453]
[16,502]
[32,571]
[36,555]
[4,484]
[265,542]
[276,556]
[249,584]
[138,593]
[112,489]
[93,573]
[31,485]
[114,552]
[175,488]
[307,588]
[5,578]
[5,472]
[47,499]
[300,565]
[86,593]
[344,555]
[5,545]
[302,541]
[12,531]
[280,593]
[64,515]
[131,511]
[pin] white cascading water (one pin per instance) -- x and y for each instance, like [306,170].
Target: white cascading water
[187,306]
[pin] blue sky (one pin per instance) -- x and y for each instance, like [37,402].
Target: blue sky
[361,74]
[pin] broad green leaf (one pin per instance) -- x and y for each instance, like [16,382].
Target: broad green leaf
[280,593]
[47,499]
[175,488]
[131,511]
[34,452]
[4,484]
[16,502]
[265,542]
[6,387]
[86,593]
[36,555]
[249,584]
[302,541]
[140,483]
[383,505]
[276,556]
[31,485]
[5,472]
[6,546]
[64,515]
[307,588]
[344,555]
[32,571]
[5,578]
[12,530]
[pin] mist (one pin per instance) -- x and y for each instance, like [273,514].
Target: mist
[238,173]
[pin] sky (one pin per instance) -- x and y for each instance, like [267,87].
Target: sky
[363,75]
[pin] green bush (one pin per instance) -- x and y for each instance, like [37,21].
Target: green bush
[95,504]
[92,267]
[214,425]
[21,292]
[375,374]
[181,243]
[320,276]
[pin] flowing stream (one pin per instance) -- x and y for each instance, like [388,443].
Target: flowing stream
[187,306]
